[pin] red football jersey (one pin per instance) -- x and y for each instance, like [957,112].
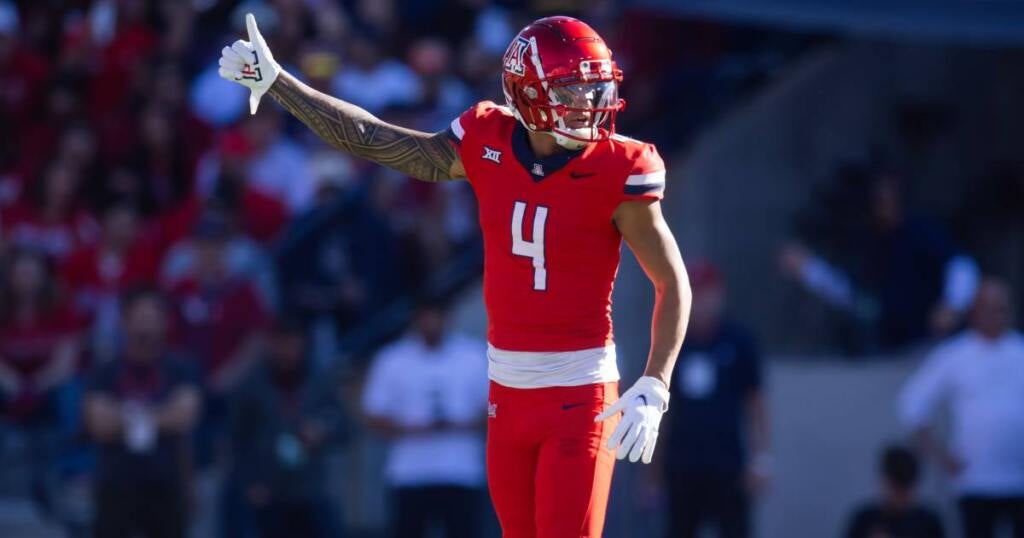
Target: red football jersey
[551,250]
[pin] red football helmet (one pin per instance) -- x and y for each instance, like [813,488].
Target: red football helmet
[559,77]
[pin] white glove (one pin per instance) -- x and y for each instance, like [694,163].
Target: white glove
[641,407]
[250,64]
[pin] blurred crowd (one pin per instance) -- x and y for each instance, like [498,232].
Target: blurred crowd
[178,279]
[893,274]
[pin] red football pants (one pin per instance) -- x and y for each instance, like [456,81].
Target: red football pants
[548,469]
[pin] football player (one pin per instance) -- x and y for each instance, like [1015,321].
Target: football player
[558,191]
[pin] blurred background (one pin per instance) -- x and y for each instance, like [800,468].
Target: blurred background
[212,324]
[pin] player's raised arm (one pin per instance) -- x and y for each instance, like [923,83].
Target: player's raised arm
[424,156]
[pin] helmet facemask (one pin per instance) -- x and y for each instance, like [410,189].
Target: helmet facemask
[583,112]
[575,114]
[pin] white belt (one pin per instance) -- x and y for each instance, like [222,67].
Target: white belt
[538,369]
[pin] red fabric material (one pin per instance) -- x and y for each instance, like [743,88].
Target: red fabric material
[548,469]
[213,323]
[22,87]
[27,348]
[118,135]
[23,225]
[94,274]
[35,147]
[121,63]
[261,217]
[572,310]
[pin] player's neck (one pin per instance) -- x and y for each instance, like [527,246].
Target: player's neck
[543,144]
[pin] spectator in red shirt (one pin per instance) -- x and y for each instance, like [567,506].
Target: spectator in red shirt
[38,357]
[220,316]
[38,337]
[54,223]
[123,257]
[221,319]
[97,274]
[222,183]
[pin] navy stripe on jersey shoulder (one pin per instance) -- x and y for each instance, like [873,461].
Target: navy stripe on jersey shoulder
[642,189]
[451,136]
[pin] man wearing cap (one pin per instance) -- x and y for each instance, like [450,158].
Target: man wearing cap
[717,430]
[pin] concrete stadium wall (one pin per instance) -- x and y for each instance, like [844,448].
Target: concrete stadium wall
[732,196]
[830,419]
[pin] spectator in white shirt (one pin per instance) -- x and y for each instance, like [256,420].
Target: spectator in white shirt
[980,375]
[427,393]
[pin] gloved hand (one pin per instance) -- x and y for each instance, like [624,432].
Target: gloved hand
[642,407]
[250,64]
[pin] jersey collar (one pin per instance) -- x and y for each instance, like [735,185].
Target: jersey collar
[538,167]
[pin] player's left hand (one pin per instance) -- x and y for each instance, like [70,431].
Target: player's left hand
[641,407]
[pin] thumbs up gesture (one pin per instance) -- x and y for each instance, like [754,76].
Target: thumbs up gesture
[250,64]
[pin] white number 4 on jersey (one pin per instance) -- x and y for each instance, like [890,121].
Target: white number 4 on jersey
[531,249]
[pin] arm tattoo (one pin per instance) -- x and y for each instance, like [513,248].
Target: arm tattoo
[424,156]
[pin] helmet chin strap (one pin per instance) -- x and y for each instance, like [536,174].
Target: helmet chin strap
[566,142]
[561,140]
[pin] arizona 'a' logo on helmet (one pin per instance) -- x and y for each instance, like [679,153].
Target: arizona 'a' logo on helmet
[514,56]
[559,77]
